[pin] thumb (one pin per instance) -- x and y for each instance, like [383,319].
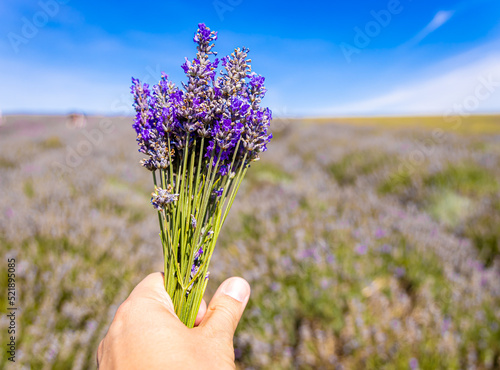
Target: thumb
[225,309]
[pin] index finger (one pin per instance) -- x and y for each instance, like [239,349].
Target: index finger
[152,288]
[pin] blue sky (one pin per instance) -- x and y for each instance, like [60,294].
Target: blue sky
[322,58]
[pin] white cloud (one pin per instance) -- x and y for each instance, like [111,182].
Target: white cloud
[438,21]
[437,94]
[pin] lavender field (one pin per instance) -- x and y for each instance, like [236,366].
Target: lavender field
[366,245]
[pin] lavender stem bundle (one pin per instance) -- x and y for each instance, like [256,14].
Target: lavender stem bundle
[199,142]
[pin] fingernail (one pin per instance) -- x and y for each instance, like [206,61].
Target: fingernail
[237,289]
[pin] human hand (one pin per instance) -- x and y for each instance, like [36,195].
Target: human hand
[147,334]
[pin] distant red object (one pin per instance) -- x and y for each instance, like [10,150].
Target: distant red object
[76,120]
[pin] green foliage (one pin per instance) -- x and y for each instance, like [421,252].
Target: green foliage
[356,164]
[463,196]
[52,142]
[483,230]
[267,173]
[449,207]
[396,183]
[465,178]
[29,189]
[6,163]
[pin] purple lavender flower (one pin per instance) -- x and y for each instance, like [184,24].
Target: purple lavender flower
[446,325]
[204,37]
[162,197]
[198,253]
[225,111]
[379,233]
[361,249]
[413,363]
[400,272]
[199,139]
[386,249]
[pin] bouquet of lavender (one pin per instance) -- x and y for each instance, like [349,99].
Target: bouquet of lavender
[199,142]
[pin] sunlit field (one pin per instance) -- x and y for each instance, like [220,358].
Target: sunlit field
[368,243]
[461,124]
